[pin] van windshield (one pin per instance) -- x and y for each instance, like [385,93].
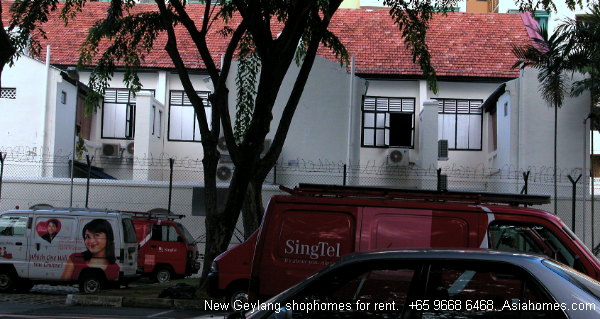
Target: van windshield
[188,237]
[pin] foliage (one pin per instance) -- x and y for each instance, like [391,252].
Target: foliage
[547,54]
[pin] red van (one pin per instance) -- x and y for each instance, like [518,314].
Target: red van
[167,249]
[315,225]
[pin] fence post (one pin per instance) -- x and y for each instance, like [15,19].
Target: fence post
[2,158]
[574,182]
[89,173]
[171,162]
[345,174]
[275,174]
[439,182]
[526,180]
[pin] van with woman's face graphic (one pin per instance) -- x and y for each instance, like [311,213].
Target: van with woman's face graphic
[89,247]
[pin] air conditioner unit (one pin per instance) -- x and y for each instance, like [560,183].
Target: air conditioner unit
[398,157]
[111,150]
[129,150]
[442,150]
[224,173]
[222,144]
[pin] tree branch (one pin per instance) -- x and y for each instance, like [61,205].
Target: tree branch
[172,50]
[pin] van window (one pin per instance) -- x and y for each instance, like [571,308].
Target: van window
[13,226]
[414,231]
[530,238]
[129,231]
[164,233]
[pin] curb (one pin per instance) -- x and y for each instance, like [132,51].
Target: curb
[114,301]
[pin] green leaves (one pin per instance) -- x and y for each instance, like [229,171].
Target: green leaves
[130,38]
[547,55]
[245,80]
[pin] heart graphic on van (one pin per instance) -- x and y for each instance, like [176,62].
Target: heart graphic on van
[48,229]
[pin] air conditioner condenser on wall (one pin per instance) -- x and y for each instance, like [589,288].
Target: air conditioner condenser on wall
[111,150]
[398,157]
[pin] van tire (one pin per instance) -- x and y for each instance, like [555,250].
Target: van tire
[91,283]
[8,280]
[163,274]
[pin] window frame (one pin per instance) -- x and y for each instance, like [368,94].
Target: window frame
[441,111]
[130,113]
[205,95]
[386,128]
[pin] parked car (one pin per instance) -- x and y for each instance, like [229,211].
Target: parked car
[167,249]
[408,284]
[315,225]
[94,248]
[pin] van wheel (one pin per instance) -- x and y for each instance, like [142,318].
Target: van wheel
[8,280]
[163,274]
[237,297]
[90,283]
[24,286]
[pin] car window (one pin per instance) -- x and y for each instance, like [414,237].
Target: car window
[164,233]
[129,231]
[14,226]
[376,290]
[482,290]
[531,238]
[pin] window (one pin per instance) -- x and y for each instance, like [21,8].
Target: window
[183,124]
[164,233]
[460,123]
[354,290]
[8,93]
[388,122]
[533,239]
[118,114]
[488,286]
[13,226]
[129,231]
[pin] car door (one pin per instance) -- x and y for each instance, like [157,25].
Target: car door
[14,242]
[475,289]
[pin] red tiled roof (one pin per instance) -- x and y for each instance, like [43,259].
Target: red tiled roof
[461,44]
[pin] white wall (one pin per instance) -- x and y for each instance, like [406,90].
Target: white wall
[22,121]
[448,90]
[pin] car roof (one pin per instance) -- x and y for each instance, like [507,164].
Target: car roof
[61,210]
[442,254]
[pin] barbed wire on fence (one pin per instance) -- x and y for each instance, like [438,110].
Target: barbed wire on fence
[32,156]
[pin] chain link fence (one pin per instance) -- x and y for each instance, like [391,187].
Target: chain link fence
[141,184]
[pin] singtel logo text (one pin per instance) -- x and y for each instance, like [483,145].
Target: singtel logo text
[321,249]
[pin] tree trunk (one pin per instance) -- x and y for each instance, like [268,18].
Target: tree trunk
[253,209]
[555,161]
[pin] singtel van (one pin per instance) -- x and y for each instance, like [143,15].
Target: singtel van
[93,248]
[315,225]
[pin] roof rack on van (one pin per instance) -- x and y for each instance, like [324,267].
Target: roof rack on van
[157,214]
[319,190]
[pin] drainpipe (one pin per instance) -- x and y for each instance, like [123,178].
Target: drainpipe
[350,115]
[45,136]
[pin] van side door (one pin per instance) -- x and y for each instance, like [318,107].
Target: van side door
[53,240]
[14,241]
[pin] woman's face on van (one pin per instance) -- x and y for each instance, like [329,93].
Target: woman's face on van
[51,228]
[95,243]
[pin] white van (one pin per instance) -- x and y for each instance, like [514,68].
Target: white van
[93,248]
